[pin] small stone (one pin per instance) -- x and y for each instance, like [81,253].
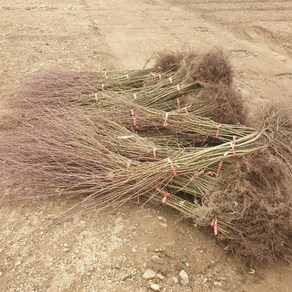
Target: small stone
[17,263]
[218,284]
[163,224]
[41,233]
[1,274]
[66,249]
[162,218]
[155,287]
[148,274]
[157,260]
[184,277]
[221,279]
[126,277]
[183,259]
[175,280]
[65,244]
[159,276]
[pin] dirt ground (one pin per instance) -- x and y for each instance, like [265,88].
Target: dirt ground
[101,252]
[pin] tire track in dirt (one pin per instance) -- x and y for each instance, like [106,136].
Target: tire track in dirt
[269,49]
[254,20]
[133,39]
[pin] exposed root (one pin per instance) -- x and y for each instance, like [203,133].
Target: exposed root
[223,103]
[168,61]
[213,67]
[255,197]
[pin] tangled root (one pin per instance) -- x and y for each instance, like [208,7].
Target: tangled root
[224,104]
[255,197]
[213,67]
[278,134]
[168,61]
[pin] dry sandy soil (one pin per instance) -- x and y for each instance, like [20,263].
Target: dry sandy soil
[99,252]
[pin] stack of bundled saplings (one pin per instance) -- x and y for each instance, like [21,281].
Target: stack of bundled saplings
[175,134]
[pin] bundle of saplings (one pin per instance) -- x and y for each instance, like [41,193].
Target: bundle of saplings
[175,134]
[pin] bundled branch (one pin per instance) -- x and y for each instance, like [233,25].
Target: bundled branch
[164,86]
[251,201]
[183,121]
[220,103]
[76,156]
[54,87]
[174,133]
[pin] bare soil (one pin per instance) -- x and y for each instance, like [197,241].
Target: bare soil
[110,252]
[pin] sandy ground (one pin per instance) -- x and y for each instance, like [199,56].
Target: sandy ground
[101,252]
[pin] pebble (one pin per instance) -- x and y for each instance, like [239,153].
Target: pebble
[183,259]
[126,277]
[148,274]
[175,280]
[218,284]
[157,260]
[162,218]
[221,279]
[17,263]
[159,276]
[184,277]
[66,249]
[155,287]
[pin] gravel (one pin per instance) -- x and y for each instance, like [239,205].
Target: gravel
[184,277]
[155,287]
[148,274]
[157,260]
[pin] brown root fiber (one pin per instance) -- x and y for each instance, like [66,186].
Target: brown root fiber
[223,103]
[278,134]
[255,196]
[213,67]
[168,61]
